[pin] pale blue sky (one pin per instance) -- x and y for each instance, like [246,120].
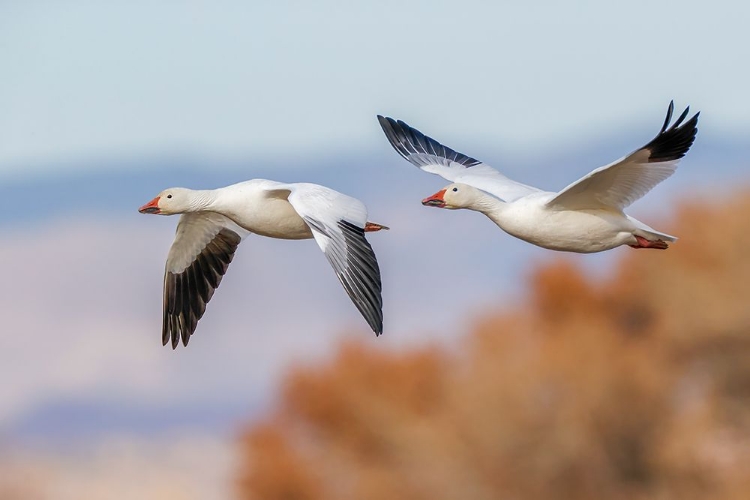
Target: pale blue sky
[294,79]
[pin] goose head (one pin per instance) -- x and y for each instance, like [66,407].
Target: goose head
[169,202]
[453,196]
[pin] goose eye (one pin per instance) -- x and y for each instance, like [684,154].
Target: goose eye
[455,189]
[169,196]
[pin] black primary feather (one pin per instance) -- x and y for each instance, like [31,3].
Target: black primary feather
[412,144]
[186,293]
[673,142]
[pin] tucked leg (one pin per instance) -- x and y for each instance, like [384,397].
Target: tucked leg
[374,226]
[644,243]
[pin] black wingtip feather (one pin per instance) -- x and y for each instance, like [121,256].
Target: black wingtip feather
[187,293]
[673,142]
[408,141]
[175,335]
[670,110]
[681,118]
[362,278]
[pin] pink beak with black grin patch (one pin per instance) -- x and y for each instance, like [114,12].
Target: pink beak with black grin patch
[436,200]
[152,207]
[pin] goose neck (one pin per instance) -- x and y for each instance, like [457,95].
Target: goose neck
[488,205]
[202,200]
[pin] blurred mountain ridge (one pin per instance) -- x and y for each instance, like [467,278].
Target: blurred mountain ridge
[119,184]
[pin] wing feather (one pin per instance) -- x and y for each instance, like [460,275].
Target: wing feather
[435,158]
[619,184]
[337,222]
[203,248]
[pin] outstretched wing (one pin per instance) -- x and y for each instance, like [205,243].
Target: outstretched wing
[203,247]
[619,184]
[431,156]
[338,223]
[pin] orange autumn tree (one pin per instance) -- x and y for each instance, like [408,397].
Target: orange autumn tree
[636,387]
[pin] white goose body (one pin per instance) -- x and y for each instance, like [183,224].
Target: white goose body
[256,207]
[214,222]
[582,231]
[587,216]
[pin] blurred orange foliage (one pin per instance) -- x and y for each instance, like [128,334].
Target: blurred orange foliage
[636,386]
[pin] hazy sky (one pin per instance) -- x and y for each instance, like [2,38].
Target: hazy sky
[289,79]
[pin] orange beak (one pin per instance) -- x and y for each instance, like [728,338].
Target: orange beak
[436,200]
[152,207]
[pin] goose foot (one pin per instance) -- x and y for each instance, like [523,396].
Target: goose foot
[644,243]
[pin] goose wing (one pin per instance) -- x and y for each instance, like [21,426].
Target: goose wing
[338,223]
[432,157]
[619,184]
[203,247]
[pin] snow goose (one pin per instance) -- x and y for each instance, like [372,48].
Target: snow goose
[585,217]
[213,223]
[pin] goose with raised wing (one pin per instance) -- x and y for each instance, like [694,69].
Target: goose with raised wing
[587,216]
[214,222]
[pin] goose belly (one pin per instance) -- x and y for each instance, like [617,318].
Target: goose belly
[274,218]
[570,231]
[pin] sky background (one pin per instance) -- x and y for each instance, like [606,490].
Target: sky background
[103,105]
[294,80]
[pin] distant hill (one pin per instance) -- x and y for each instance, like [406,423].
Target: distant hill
[120,185]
